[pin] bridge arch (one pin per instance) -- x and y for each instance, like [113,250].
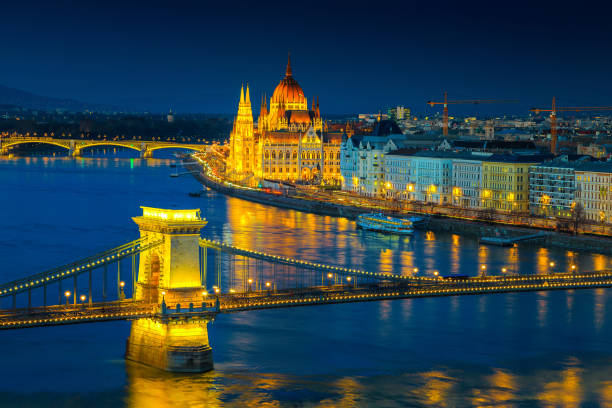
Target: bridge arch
[108,143]
[65,145]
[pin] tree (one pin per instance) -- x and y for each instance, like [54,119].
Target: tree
[578,216]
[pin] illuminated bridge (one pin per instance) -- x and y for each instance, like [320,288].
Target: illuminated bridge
[76,146]
[178,282]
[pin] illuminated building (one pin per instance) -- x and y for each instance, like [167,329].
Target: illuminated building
[552,188]
[289,141]
[594,190]
[505,182]
[363,158]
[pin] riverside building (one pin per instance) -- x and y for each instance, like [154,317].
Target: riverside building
[363,159]
[552,188]
[505,182]
[594,190]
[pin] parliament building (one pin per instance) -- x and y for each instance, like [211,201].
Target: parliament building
[289,141]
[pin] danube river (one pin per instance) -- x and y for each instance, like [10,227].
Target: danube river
[530,349]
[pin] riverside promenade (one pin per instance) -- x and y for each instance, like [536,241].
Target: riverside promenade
[457,222]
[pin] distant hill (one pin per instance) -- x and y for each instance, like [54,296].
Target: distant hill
[24,99]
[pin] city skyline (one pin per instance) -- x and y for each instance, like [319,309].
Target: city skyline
[194,58]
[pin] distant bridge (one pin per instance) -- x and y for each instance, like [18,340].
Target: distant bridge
[75,146]
[178,282]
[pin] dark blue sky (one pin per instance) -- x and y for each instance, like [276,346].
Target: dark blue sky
[356,56]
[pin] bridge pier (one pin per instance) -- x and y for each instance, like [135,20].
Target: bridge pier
[169,276]
[146,154]
[176,345]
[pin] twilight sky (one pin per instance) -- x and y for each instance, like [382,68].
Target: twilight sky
[356,56]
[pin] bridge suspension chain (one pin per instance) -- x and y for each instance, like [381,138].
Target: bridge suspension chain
[76,268]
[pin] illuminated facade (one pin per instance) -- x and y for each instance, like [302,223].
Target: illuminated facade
[288,142]
[505,182]
[594,191]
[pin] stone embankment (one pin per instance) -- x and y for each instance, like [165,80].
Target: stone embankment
[437,223]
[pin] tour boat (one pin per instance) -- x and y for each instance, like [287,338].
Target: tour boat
[383,223]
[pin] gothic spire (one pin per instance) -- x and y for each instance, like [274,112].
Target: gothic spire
[247,97]
[241,94]
[288,73]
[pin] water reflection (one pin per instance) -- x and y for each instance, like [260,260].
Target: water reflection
[499,350]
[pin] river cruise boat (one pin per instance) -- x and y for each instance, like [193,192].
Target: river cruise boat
[383,223]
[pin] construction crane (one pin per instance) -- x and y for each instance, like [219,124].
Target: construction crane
[553,118]
[446,102]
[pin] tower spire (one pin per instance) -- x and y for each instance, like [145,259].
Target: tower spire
[247,97]
[288,72]
[241,94]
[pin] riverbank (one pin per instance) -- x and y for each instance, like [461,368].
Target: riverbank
[437,223]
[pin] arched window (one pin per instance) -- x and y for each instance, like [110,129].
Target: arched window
[337,156]
[274,154]
[266,155]
[287,155]
[318,155]
[295,155]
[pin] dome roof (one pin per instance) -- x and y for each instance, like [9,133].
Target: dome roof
[288,90]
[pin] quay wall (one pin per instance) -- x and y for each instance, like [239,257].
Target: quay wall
[437,223]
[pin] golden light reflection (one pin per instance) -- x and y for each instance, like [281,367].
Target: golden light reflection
[436,390]
[543,261]
[566,391]
[502,391]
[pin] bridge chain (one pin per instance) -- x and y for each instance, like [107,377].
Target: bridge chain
[76,268]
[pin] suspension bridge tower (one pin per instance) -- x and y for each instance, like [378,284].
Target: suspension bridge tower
[171,276]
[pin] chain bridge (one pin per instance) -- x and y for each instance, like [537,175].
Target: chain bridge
[75,146]
[170,283]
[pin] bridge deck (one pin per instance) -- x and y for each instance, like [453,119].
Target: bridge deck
[318,295]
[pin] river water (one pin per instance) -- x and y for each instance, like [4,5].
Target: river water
[532,349]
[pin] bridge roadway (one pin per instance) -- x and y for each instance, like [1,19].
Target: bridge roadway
[318,295]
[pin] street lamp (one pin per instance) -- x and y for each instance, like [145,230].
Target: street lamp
[436,274]
[121,292]
[483,270]
[67,294]
[83,297]
[504,270]
[573,268]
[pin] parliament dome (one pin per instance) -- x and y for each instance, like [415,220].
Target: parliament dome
[288,92]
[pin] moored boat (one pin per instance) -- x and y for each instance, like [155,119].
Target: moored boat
[384,223]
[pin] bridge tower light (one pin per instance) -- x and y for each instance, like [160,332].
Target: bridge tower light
[67,295]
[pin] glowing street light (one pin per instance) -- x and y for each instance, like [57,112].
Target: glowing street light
[329,275]
[217,290]
[436,273]
[268,284]
[415,270]
[67,294]
[83,297]
[348,278]
[504,270]
[483,270]
[573,268]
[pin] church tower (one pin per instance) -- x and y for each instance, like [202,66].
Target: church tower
[242,139]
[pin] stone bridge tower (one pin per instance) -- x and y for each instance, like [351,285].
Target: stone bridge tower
[170,275]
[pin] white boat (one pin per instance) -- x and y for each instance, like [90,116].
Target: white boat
[383,223]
